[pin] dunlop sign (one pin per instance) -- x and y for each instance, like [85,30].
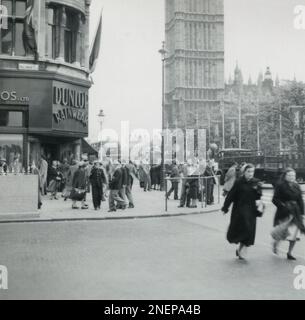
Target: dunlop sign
[73,105]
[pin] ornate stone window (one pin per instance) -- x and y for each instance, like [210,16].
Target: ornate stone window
[65,33]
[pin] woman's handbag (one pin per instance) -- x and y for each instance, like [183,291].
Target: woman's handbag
[77,194]
[260,208]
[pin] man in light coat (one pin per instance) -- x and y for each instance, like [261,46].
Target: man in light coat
[43,173]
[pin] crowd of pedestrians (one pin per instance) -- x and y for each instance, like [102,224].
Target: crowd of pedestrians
[75,180]
[113,181]
[195,179]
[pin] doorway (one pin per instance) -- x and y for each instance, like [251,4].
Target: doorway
[50,151]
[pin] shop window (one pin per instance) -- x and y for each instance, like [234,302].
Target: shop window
[11,38]
[11,118]
[11,150]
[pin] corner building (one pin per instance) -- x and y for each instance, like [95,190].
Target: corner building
[194,66]
[44,101]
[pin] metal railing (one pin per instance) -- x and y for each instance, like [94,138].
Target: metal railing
[202,186]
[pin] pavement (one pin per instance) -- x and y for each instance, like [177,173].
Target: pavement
[147,205]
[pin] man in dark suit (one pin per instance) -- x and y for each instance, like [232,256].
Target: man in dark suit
[115,185]
[175,183]
[210,182]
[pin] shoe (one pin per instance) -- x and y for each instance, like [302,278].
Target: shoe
[85,207]
[131,206]
[181,206]
[274,248]
[75,207]
[238,255]
[112,210]
[290,257]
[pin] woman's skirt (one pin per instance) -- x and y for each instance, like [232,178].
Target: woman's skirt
[286,230]
[53,186]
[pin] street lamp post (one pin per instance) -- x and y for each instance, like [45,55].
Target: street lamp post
[258,128]
[223,122]
[239,120]
[101,117]
[163,57]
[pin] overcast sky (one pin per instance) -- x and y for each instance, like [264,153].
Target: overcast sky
[127,79]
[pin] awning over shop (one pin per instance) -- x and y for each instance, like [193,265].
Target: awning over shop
[88,149]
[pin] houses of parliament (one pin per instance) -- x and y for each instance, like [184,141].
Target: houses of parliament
[196,94]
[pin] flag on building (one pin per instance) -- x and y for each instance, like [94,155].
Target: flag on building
[28,36]
[95,49]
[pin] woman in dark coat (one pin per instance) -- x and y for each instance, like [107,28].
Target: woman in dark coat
[290,207]
[97,179]
[244,194]
[79,184]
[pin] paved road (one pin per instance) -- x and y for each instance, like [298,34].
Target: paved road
[161,258]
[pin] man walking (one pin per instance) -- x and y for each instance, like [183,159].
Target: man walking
[115,185]
[175,183]
[131,175]
[210,182]
[122,190]
[43,173]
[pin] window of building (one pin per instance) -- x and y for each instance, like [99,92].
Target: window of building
[11,42]
[64,28]
[11,118]
[51,33]
[71,30]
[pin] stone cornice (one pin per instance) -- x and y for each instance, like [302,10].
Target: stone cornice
[44,76]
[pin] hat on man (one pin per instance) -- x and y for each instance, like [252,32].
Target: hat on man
[81,164]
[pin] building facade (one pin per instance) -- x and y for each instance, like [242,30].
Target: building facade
[44,93]
[247,120]
[194,65]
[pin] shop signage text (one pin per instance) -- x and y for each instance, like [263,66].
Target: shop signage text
[71,113]
[70,104]
[11,96]
[67,97]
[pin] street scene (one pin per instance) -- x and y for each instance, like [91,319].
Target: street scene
[184,257]
[152,151]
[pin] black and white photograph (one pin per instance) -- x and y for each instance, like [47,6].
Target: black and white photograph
[152,150]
